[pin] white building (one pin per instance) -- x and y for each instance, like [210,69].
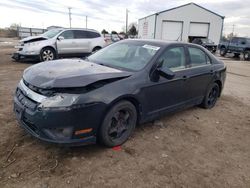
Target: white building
[183,23]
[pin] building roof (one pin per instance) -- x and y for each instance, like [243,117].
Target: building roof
[184,6]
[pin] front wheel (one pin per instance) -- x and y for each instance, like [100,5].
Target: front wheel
[118,124]
[47,54]
[211,96]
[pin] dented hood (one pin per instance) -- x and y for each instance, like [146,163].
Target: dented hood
[69,73]
[33,39]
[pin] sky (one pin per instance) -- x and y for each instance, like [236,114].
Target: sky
[111,14]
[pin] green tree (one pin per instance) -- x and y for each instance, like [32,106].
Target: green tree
[104,32]
[132,30]
[113,32]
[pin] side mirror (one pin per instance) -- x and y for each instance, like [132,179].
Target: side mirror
[60,38]
[168,74]
[243,42]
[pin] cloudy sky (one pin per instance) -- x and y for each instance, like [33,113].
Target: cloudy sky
[110,14]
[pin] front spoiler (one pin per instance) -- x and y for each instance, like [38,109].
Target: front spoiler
[21,57]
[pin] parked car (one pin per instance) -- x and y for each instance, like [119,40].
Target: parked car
[111,38]
[206,43]
[74,101]
[237,45]
[57,43]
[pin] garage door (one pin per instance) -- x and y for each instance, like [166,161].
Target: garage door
[198,29]
[171,30]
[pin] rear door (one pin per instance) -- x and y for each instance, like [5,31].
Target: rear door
[233,45]
[200,73]
[82,41]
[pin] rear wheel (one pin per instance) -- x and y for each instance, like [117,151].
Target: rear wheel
[211,96]
[47,54]
[223,51]
[246,55]
[118,124]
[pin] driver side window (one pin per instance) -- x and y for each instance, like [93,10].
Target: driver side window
[68,34]
[173,59]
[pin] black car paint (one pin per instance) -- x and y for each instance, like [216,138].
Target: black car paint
[208,45]
[152,94]
[64,74]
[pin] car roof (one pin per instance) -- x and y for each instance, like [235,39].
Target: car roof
[161,43]
[82,29]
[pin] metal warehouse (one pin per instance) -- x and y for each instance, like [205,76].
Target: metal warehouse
[183,23]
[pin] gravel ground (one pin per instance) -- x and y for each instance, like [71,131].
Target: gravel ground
[192,148]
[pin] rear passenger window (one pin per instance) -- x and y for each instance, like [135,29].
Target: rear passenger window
[93,34]
[198,57]
[80,34]
[173,59]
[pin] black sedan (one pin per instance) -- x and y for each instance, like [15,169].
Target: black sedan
[103,97]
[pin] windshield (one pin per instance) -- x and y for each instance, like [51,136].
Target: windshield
[132,56]
[207,40]
[51,33]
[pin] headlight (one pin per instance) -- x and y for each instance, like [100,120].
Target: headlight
[60,100]
[32,43]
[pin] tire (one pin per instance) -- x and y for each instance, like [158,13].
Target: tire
[223,51]
[118,124]
[211,96]
[246,55]
[96,49]
[47,54]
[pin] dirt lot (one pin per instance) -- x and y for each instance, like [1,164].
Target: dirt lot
[192,148]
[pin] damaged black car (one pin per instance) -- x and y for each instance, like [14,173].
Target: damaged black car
[103,98]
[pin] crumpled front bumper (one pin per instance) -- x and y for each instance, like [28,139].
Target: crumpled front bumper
[21,57]
[35,122]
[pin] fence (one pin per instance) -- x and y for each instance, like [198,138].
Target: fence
[26,32]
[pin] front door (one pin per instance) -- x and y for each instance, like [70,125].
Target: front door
[66,44]
[168,95]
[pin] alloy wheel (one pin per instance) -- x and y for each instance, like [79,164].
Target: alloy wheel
[213,95]
[47,55]
[119,124]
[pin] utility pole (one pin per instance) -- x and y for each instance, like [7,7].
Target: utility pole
[126,21]
[233,29]
[86,22]
[69,16]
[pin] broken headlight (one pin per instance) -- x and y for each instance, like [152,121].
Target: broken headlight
[58,101]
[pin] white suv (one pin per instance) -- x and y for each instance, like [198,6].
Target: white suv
[57,43]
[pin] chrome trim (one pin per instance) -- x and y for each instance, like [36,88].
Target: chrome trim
[31,94]
[188,68]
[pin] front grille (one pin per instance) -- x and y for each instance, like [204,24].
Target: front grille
[45,92]
[25,101]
